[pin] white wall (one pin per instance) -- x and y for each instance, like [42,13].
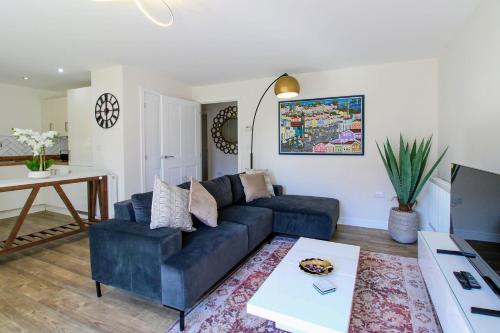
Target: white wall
[108,146]
[399,98]
[469,87]
[219,164]
[118,149]
[80,119]
[21,107]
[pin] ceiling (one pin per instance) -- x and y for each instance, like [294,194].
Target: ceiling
[215,41]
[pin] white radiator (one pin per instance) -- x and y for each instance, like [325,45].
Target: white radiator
[434,206]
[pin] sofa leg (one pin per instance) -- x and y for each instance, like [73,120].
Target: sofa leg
[181,320]
[98,289]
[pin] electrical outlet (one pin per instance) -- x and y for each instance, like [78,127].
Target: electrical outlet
[379,195]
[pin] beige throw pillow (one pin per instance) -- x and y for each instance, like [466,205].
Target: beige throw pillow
[170,207]
[254,186]
[265,172]
[202,204]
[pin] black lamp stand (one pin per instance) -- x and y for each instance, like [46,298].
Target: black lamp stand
[255,114]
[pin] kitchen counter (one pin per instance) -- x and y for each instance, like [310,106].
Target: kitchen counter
[19,160]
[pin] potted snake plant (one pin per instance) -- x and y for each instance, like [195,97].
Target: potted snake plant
[407,175]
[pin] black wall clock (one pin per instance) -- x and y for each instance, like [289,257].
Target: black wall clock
[107,110]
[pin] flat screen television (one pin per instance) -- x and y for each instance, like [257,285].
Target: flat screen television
[475,219]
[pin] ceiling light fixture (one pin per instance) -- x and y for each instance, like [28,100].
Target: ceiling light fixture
[60,70]
[152,18]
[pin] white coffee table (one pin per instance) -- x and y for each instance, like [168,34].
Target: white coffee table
[288,297]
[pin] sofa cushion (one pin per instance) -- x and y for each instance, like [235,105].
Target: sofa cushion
[237,188]
[202,204]
[267,179]
[207,255]
[170,207]
[299,215]
[142,206]
[255,186]
[124,210]
[220,189]
[259,221]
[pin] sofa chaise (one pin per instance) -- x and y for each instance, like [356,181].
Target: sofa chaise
[176,268]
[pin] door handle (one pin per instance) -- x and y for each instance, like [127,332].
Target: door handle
[167,156]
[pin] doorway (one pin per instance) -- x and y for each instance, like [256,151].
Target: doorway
[219,122]
[171,140]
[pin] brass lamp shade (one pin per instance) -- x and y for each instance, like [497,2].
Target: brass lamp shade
[286,87]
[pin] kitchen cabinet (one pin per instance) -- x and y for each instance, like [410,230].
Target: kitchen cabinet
[55,115]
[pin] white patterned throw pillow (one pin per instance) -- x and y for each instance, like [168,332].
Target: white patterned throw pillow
[269,185]
[170,207]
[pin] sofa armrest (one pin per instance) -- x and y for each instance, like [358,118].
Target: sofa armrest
[128,255]
[124,210]
[278,189]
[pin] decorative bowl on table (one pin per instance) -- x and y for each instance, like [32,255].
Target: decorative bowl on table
[316,266]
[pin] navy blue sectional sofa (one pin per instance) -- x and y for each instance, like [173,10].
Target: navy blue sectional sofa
[175,268]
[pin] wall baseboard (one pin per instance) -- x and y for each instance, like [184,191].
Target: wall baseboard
[38,208]
[367,223]
[5,214]
[376,224]
[62,210]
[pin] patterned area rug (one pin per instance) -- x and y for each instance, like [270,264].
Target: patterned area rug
[390,296]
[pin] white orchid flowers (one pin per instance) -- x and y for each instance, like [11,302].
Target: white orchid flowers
[38,142]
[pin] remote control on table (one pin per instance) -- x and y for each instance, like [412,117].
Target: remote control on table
[472,281]
[463,280]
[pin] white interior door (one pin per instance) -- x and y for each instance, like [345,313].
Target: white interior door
[152,139]
[180,140]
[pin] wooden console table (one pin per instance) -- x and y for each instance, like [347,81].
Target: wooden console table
[97,188]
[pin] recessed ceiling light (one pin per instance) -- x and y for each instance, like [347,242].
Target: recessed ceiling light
[26,78]
[60,70]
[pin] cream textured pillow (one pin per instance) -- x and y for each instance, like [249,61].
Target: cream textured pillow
[265,172]
[254,186]
[202,204]
[170,207]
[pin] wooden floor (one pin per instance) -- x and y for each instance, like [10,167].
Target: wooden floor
[48,288]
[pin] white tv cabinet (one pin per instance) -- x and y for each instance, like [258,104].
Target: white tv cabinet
[452,302]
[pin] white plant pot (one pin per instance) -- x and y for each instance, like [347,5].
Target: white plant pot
[403,226]
[39,174]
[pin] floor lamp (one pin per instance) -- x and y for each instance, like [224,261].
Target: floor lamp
[286,87]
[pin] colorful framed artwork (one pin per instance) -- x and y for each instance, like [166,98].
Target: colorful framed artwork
[322,126]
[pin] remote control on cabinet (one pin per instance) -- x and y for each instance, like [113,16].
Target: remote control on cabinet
[456,253]
[487,312]
[472,281]
[463,280]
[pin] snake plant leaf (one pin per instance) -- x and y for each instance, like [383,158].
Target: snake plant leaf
[387,167]
[407,171]
[405,166]
[413,150]
[417,166]
[427,176]
[394,166]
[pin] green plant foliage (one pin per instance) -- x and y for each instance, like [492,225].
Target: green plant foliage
[33,165]
[407,171]
[48,164]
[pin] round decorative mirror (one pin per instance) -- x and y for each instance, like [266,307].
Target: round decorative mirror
[225,130]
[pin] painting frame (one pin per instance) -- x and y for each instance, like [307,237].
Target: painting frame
[360,152]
